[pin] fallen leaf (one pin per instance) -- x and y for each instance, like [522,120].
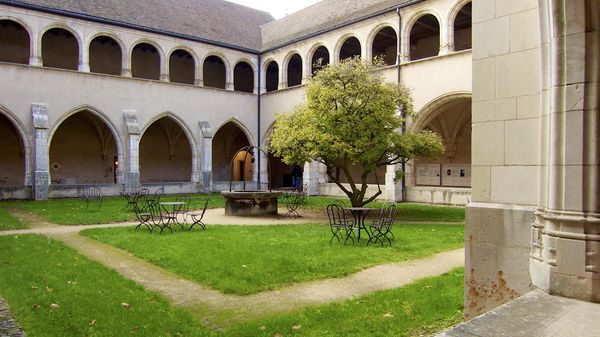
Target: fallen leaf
[125,305]
[93,322]
[297,327]
[244,266]
[36,306]
[34,287]
[49,290]
[54,306]
[388,314]
[263,328]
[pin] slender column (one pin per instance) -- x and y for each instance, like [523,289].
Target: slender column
[206,157]
[84,63]
[35,59]
[41,175]
[132,175]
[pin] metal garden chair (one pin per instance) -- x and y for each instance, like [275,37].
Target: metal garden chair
[382,228]
[92,194]
[339,224]
[197,216]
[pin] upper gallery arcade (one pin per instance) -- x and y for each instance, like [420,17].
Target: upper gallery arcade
[112,96]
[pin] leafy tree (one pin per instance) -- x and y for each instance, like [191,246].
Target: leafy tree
[351,117]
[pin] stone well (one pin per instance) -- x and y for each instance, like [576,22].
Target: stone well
[251,203]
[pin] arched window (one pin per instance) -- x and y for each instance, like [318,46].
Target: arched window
[145,62]
[243,77]
[60,49]
[182,67]
[350,48]
[83,150]
[12,161]
[425,38]
[105,56]
[385,45]
[272,76]
[320,59]
[228,140]
[14,43]
[165,153]
[214,72]
[462,28]
[294,71]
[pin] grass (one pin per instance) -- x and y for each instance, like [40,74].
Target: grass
[7,221]
[72,211]
[419,309]
[250,259]
[38,272]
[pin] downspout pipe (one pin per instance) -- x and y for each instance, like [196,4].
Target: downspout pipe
[403,126]
[259,81]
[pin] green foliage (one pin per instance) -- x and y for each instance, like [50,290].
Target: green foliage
[351,118]
[250,259]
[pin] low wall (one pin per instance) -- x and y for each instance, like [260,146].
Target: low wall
[15,192]
[439,195]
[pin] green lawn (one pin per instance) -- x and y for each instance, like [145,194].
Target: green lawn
[72,211]
[95,301]
[250,259]
[423,308]
[37,272]
[7,221]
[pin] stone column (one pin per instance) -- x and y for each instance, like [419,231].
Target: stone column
[314,174]
[206,156]
[84,60]
[41,175]
[35,59]
[393,188]
[132,174]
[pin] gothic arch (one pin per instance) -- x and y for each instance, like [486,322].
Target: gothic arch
[24,140]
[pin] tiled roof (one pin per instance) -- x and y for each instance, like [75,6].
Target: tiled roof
[214,20]
[320,16]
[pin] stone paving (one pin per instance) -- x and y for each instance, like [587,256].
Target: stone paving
[8,326]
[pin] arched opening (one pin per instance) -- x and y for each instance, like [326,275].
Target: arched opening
[12,160]
[182,67]
[243,77]
[452,121]
[272,76]
[462,28]
[60,49]
[214,72]
[227,141]
[350,48]
[165,153]
[385,45]
[14,42]
[83,150]
[145,62]
[294,71]
[320,59]
[105,56]
[425,38]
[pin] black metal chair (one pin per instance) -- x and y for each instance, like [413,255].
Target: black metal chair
[92,194]
[158,194]
[158,217]
[339,224]
[143,213]
[292,201]
[185,208]
[382,228]
[197,216]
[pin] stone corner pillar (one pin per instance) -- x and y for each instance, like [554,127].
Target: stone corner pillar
[314,173]
[41,176]
[393,187]
[132,173]
[206,157]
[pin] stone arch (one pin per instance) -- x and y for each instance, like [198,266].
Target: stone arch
[230,137]
[103,60]
[459,26]
[163,157]
[293,69]
[315,53]
[215,76]
[182,65]
[432,42]
[73,154]
[383,41]
[54,58]
[271,77]
[244,76]
[13,172]
[20,50]
[143,65]
[350,45]
[449,116]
